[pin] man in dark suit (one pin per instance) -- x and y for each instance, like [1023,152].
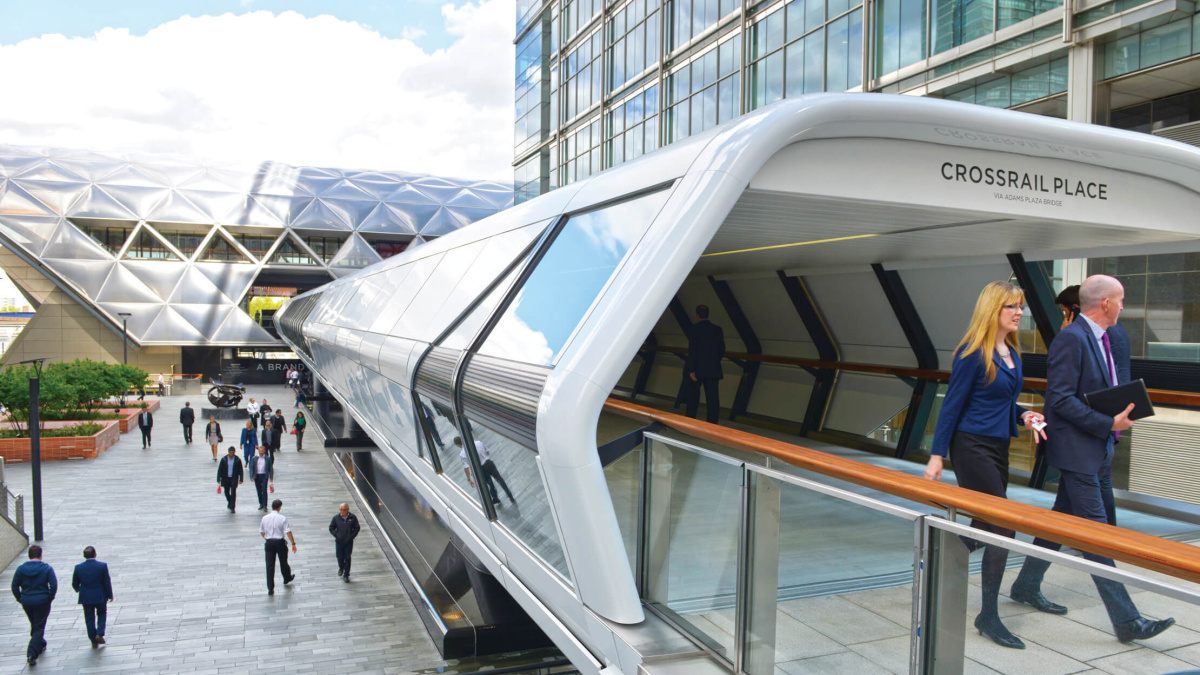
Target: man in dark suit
[1080,445]
[1068,302]
[187,417]
[94,586]
[145,423]
[279,426]
[706,348]
[229,475]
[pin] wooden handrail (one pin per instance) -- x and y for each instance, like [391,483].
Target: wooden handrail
[1162,555]
[1164,396]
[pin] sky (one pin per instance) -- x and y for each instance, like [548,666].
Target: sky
[424,86]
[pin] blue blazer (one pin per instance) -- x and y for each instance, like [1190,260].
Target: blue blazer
[92,582]
[249,439]
[972,406]
[1118,339]
[1078,438]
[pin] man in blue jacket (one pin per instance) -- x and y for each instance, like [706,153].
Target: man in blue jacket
[34,586]
[94,586]
[702,368]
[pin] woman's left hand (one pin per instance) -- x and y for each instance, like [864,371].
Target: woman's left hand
[1030,419]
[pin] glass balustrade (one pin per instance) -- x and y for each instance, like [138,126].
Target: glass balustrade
[771,573]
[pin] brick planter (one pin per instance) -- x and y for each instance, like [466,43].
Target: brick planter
[66,447]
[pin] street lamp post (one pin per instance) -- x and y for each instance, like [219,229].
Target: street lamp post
[35,445]
[125,336]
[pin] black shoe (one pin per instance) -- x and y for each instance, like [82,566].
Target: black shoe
[341,571]
[100,639]
[31,661]
[233,510]
[991,627]
[270,591]
[1036,600]
[289,580]
[1141,629]
[346,578]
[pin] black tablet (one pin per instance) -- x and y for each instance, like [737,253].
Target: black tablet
[1113,400]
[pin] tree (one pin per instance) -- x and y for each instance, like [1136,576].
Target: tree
[55,394]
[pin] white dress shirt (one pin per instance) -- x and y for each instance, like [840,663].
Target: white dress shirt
[274,525]
[480,449]
[1098,333]
[252,408]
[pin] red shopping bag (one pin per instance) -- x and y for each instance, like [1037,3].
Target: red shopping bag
[218,489]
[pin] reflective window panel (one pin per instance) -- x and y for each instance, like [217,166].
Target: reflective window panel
[567,280]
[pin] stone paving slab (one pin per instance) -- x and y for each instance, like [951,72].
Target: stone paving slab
[189,576]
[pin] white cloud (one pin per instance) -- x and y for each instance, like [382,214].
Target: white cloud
[311,91]
[412,33]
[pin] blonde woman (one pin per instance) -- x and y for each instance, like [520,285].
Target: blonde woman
[979,417]
[212,435]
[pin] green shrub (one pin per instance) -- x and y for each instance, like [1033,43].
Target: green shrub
[84,429]
[81,384]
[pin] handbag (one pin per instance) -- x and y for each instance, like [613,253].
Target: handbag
[293,431]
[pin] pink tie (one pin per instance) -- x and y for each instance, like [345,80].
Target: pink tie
[1112,376]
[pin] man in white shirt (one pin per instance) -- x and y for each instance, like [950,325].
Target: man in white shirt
[487,466]
[273,528]
[252,408]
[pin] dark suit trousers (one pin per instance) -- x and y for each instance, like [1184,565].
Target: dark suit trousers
[187,433]
[37,628]
[1087,496]
[145,436]
[344,552]
[712,399]
[260,486]
[231,494]
[277,547]
[94,617]
[491,473]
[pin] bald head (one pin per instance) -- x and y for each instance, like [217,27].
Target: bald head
[1101,299]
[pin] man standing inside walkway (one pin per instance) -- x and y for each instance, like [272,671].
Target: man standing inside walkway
[187,417]
[344,528]
[34,586]
[702,368]
[260,472]
[1079,443]
[145,423]
[94,586]
[229,476]
[273,528]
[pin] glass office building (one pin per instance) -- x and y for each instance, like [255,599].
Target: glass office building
[599,83]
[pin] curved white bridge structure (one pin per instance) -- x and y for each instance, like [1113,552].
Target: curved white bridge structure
[514,332]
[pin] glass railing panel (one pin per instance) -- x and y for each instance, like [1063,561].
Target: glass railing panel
[829,580]
[623,477]
[692,521]
[1085,633]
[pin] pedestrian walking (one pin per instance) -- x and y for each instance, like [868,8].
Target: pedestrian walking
[298,426]
[162,385]
[273,528]
[301,399]
[487,467]
[249,441]
[212,434]
[229,476]
[187,417]
[264,410]
[94,586]
[268,440]
[145,424]
[344,528]
[262,473]
[279,424]
[252,408]
[702,368]
[34,585]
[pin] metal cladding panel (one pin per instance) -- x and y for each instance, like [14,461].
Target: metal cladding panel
[67,209]
[503,395]
[435,376]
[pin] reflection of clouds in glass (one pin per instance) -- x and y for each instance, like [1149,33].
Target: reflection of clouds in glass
[514,339]
[614,230]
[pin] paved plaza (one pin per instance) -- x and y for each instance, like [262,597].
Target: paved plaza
[188,576]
